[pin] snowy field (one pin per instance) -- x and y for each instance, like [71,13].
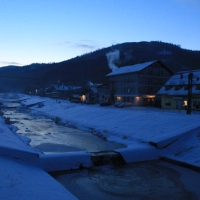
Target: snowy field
[176,135]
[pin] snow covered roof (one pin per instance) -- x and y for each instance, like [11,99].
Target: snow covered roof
[181,79]
[65,88]
[131,68]
[61,87]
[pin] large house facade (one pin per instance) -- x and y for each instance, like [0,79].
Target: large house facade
[179,89]
[137,84]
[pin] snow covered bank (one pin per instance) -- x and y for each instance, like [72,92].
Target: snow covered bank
[12,145]
[133,126]
[31,101]
[165,140]
[20,174]
[139,152]
[19,180]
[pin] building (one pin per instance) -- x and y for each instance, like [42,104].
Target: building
[138,83]
[62,91]
[90,93]
[179,89]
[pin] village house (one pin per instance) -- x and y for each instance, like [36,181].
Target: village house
[137,84]
[90,93]
[78,94]
[181,90]
[62,91]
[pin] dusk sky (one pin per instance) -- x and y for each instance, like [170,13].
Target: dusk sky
[43,31]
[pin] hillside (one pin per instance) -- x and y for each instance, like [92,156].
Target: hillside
[95,65]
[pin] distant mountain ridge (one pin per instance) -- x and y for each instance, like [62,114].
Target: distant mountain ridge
[95,65]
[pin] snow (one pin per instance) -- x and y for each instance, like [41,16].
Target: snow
[132,68]
[30,101]
[65,88]
[173,134]
[181,79]
[22,181]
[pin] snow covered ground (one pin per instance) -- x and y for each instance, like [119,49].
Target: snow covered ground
[133,126]
[136,127]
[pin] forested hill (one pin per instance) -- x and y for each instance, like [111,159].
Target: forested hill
[95,65]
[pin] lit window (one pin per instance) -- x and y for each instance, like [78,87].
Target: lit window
[119,98]
[184,103]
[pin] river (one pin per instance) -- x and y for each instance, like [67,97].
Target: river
[142,180]
[150,180]
[49,137]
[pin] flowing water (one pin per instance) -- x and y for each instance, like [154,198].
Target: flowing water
[49,137]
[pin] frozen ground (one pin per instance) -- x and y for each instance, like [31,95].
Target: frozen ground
[134,127]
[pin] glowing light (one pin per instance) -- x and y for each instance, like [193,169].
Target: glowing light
[151,96]
[83,98]
[119,98]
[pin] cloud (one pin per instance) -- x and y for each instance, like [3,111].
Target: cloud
[85,45]
[6,63]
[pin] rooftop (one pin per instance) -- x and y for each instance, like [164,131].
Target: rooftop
[181,79]
[131,68]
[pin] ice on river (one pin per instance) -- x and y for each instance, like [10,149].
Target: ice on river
[49,137]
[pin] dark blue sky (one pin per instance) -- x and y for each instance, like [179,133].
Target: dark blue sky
[56,30]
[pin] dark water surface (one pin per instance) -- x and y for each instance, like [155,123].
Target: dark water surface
[144,180]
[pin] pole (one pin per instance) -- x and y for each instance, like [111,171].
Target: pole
[190,76]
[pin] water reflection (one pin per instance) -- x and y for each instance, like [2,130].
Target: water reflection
[49,137]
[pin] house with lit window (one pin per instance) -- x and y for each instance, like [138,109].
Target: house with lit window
[182,88]
[137,84]
[90,93]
